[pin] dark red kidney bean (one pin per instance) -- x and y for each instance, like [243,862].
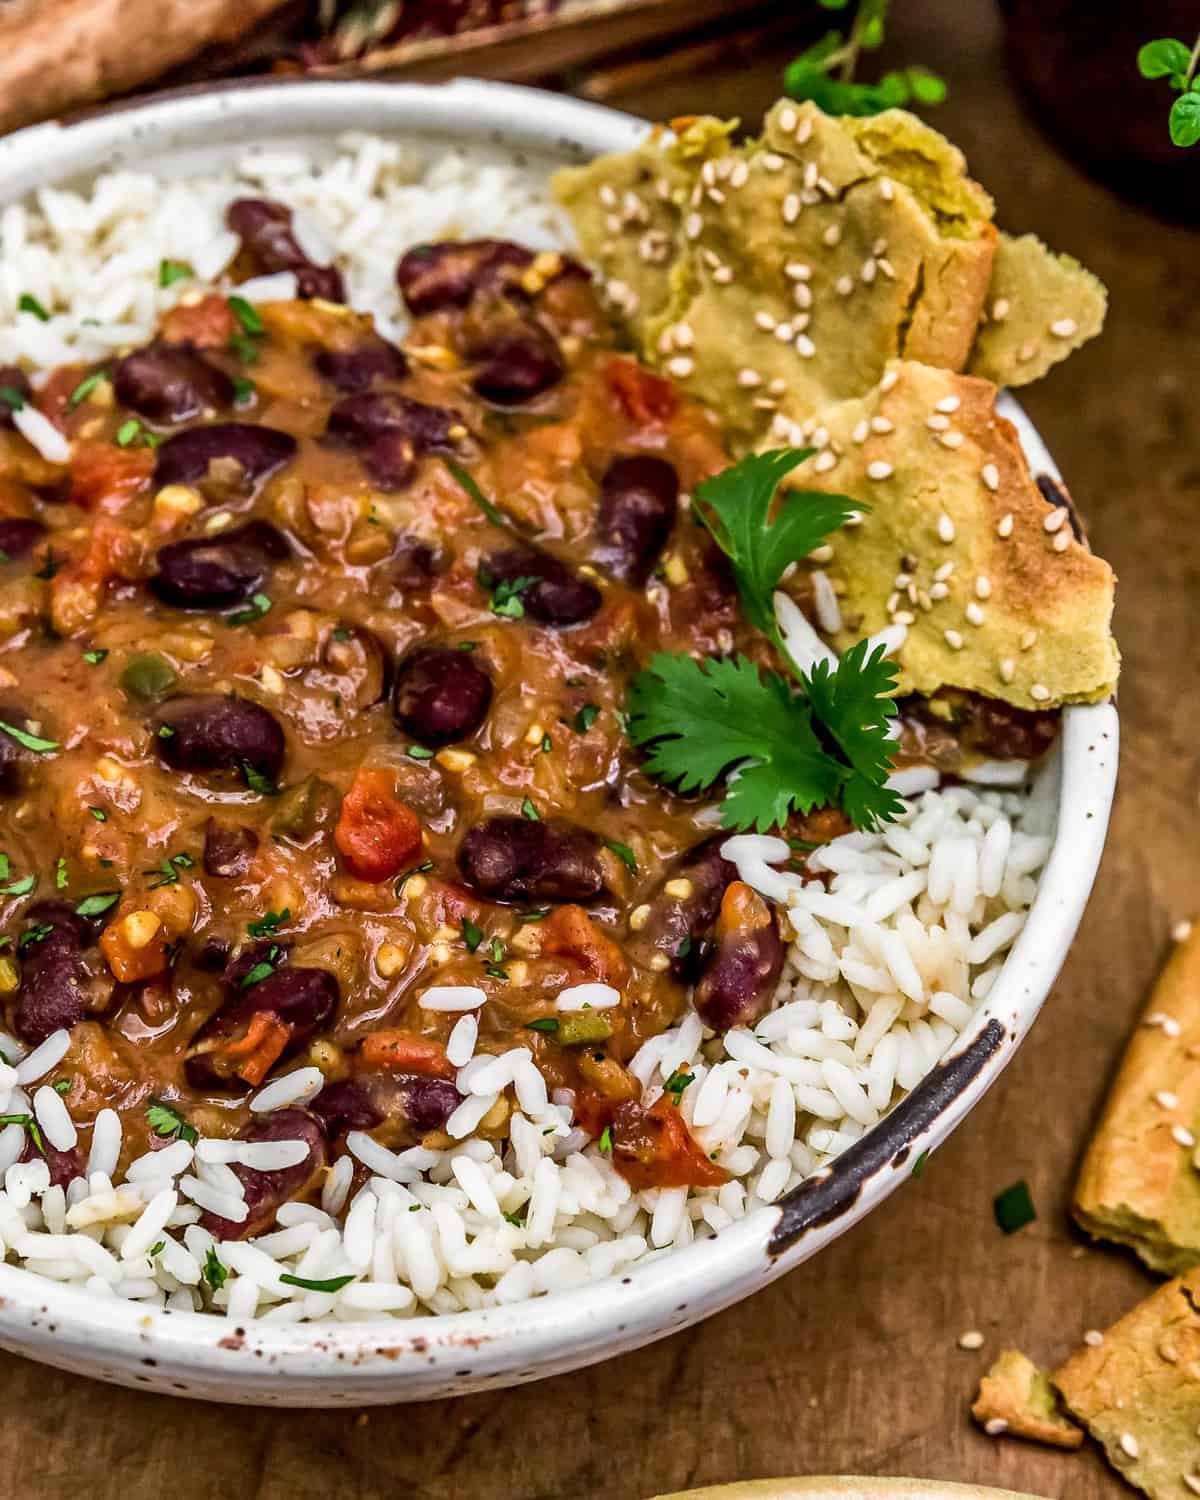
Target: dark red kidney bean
[451,272]
[58,987]
[676,924]
[13,755]
[415,564]
[64,1166]
[228,850]
[639,498]
[170,383]
[210,733]
[258,452]
[741,976]
[559,597]
[391,432]
[516,367]
[355,666]
[266,233]
[367,1100]
[18,536]
[441,695]
[218,571]
[516,859]
[1005,732]
[267,1191]
[13,378]
[355,370]
[303,999]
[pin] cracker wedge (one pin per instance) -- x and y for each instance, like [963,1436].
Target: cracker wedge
[1140,1184]
[1040,307]
[1138,1391]
[1016,1398]
[960,546]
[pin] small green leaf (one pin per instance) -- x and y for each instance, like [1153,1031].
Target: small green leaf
[1160,58]
[529,811]
[94,658]
[61,878]
[258,782]
[245,348]
[1185,120]
[546,1024]
[402,880]
[331,1284]
[27,302]
[12,398]
[257,974]
[624,853]
[30,741]
[419,752]
[243,390]
[919,1165]
[171,271]
[85,388]
[606,1140]
[99,814]
[270,924]
[246,314]
[467,482]
[472,935]
[20,887]
[165,1121]
[1014,1208]
[214,1272]
[585,718]
[92,906]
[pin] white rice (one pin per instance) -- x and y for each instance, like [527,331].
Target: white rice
[891,952]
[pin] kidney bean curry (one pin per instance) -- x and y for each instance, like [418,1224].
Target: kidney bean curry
[311,700]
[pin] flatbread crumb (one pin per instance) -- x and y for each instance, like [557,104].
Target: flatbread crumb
[1016,1398]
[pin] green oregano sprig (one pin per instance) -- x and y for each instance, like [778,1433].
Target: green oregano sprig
[825,72]
[1171,59]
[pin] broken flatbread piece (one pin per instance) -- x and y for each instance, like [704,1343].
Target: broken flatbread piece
[782,275]
[1139,1184]
[1016,1398]
[996,593]
[1041,306]
[1138,1392]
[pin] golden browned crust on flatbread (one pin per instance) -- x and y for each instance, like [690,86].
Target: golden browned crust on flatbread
[955,546]
[1139,1183]
[1041,306]
[1016,1398]
[1138,1391]
[58,54]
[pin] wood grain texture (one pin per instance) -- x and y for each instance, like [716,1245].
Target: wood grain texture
[849,1364]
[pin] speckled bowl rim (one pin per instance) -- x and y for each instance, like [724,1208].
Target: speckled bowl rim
[386,1361]
[846,1487]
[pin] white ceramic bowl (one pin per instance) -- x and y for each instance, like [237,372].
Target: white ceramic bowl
[362,1363]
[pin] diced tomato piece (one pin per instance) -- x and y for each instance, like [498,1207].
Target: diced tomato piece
[256,1053]
[406,1052]
[593,1110]
[570,933]
[647,398]
[376,834]
[134,947]
[653,1148]
[208,324]
[105,477]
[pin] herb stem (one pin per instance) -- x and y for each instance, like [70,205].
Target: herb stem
[1193,64]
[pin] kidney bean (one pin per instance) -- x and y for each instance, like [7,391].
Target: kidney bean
[300,1000]
[367,1100]
[558,597]
[266,233]
[13,754]
[258,452]
[170,383]
[451,272]
[64,1165]
[639,496]
[266,1191]
[677,923]
[215,572]
[19,535]
[207,732]
[516,367]
[228,850]
[391,432]
[58,986]
[1005,732]
[516,859]
[355,370]
[13,378]
[415,564]
[441,695]
[743,972]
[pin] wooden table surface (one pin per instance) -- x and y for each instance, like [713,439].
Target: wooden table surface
[850,1364]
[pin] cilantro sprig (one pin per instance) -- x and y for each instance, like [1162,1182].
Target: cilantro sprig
[1171,59]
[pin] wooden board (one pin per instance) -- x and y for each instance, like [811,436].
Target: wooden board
[850,1364]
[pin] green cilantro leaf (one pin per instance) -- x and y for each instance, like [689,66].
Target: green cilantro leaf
[585,718]
[852,705]
[735,506]
[12,398]
[246,314]
[61,878]
[30,741]
[214,1272]
[472,935]
[528,810]
[624,853]
[27,302]
[606,1140]
[1014,1208]
[258,781]
[20,887]
[85,388]
[467,482]
[701,718]
[506,597]
[92,906]
[332,1284]
[677,1082]
[171,271]
[270,924]
[164,1121]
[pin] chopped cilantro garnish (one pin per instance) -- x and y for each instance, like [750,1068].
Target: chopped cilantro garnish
[29,1125]
[467,482]
[94,657]
[29,741]
[547,1023]
[331,1284]
[585,718]
[472,935]
[529,811]
[167,873]
[61,878]
[919,1165]
[258,781]
[606,1140]
[128,432]
[268,925]
[677,1082]
[164,1121]
[1014,1208]
[535,914]
[171,271]
[419,752]
[547,744]
[506,596]
[258,606]
[12,398]
[402,880]
[245,349]
[63,1086]
[27,302]
[243,389]
[624,853]
[34,935]
[214,1272]
[99,814]
[85,388]
[92,906]
[261,970]
[20,887]
[246,314]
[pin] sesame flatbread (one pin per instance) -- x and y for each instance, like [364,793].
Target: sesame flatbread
[782,275]
[1140,1184]
[960,546]
[1138,1391]
[1016,1398]
[1040,307]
